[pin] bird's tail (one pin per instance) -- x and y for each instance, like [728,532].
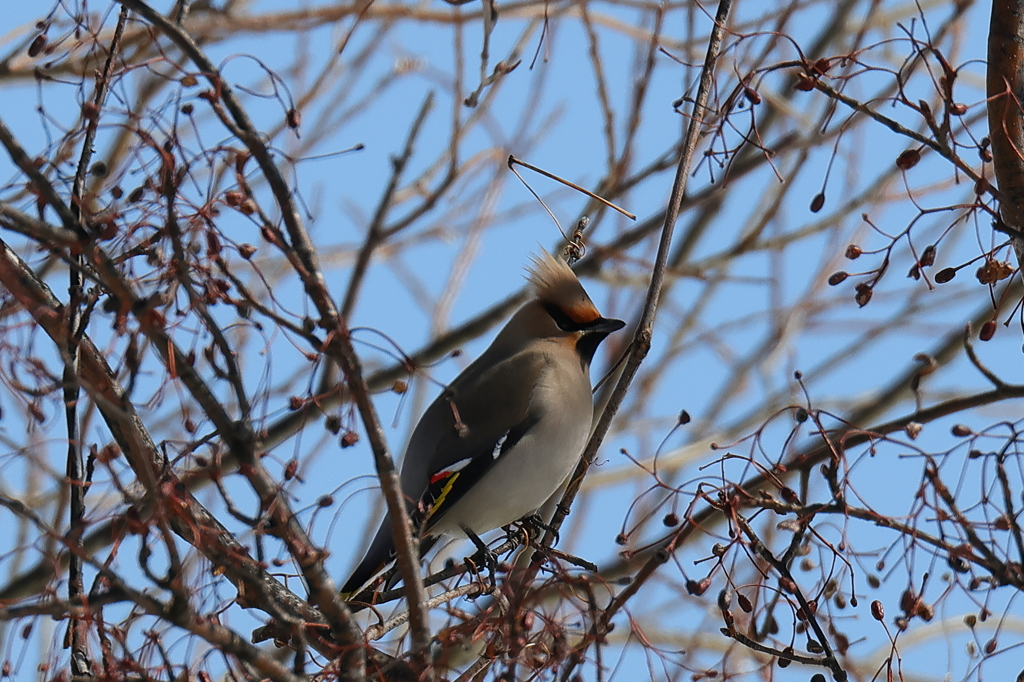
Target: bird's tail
[379,555]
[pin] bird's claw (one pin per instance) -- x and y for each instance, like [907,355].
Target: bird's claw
[534,524]
[483,558]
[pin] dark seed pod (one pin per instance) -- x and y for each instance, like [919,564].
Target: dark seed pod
[37,45]
[817,202]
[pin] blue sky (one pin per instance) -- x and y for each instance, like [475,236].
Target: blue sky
[770,309]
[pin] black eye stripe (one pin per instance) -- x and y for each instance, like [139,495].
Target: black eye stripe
[564,322]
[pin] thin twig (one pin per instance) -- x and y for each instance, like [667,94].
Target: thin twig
[77,635]
[188,518]
[177,611]
[642,338]
[375,632]
[802,461]
[830,661]
[976,361]
[375,232]
[339,347]
[237,434]
[513,160]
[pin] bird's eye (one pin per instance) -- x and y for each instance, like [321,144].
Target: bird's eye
[562,319]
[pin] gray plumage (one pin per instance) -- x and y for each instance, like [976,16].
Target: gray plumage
[509,429]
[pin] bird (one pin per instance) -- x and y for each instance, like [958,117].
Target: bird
[503,436]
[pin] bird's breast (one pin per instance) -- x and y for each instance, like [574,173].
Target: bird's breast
[525,476]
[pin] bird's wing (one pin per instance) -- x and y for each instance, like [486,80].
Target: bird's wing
[451,483]
[479,420]
[446,457]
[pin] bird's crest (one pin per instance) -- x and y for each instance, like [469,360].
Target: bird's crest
[555,283]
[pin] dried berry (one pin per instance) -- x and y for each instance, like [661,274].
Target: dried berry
[908,601]
[90,111]
[698,587]
[837,278]
[908,159]
[945,275]
[928,256]
[988,330]
[789,495]
[877,612]
[993,271]
[853,252]
[864,293]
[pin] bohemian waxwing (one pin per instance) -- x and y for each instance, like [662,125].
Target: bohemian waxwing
[505,434]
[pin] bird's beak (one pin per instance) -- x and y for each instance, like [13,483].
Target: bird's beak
[604,325]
